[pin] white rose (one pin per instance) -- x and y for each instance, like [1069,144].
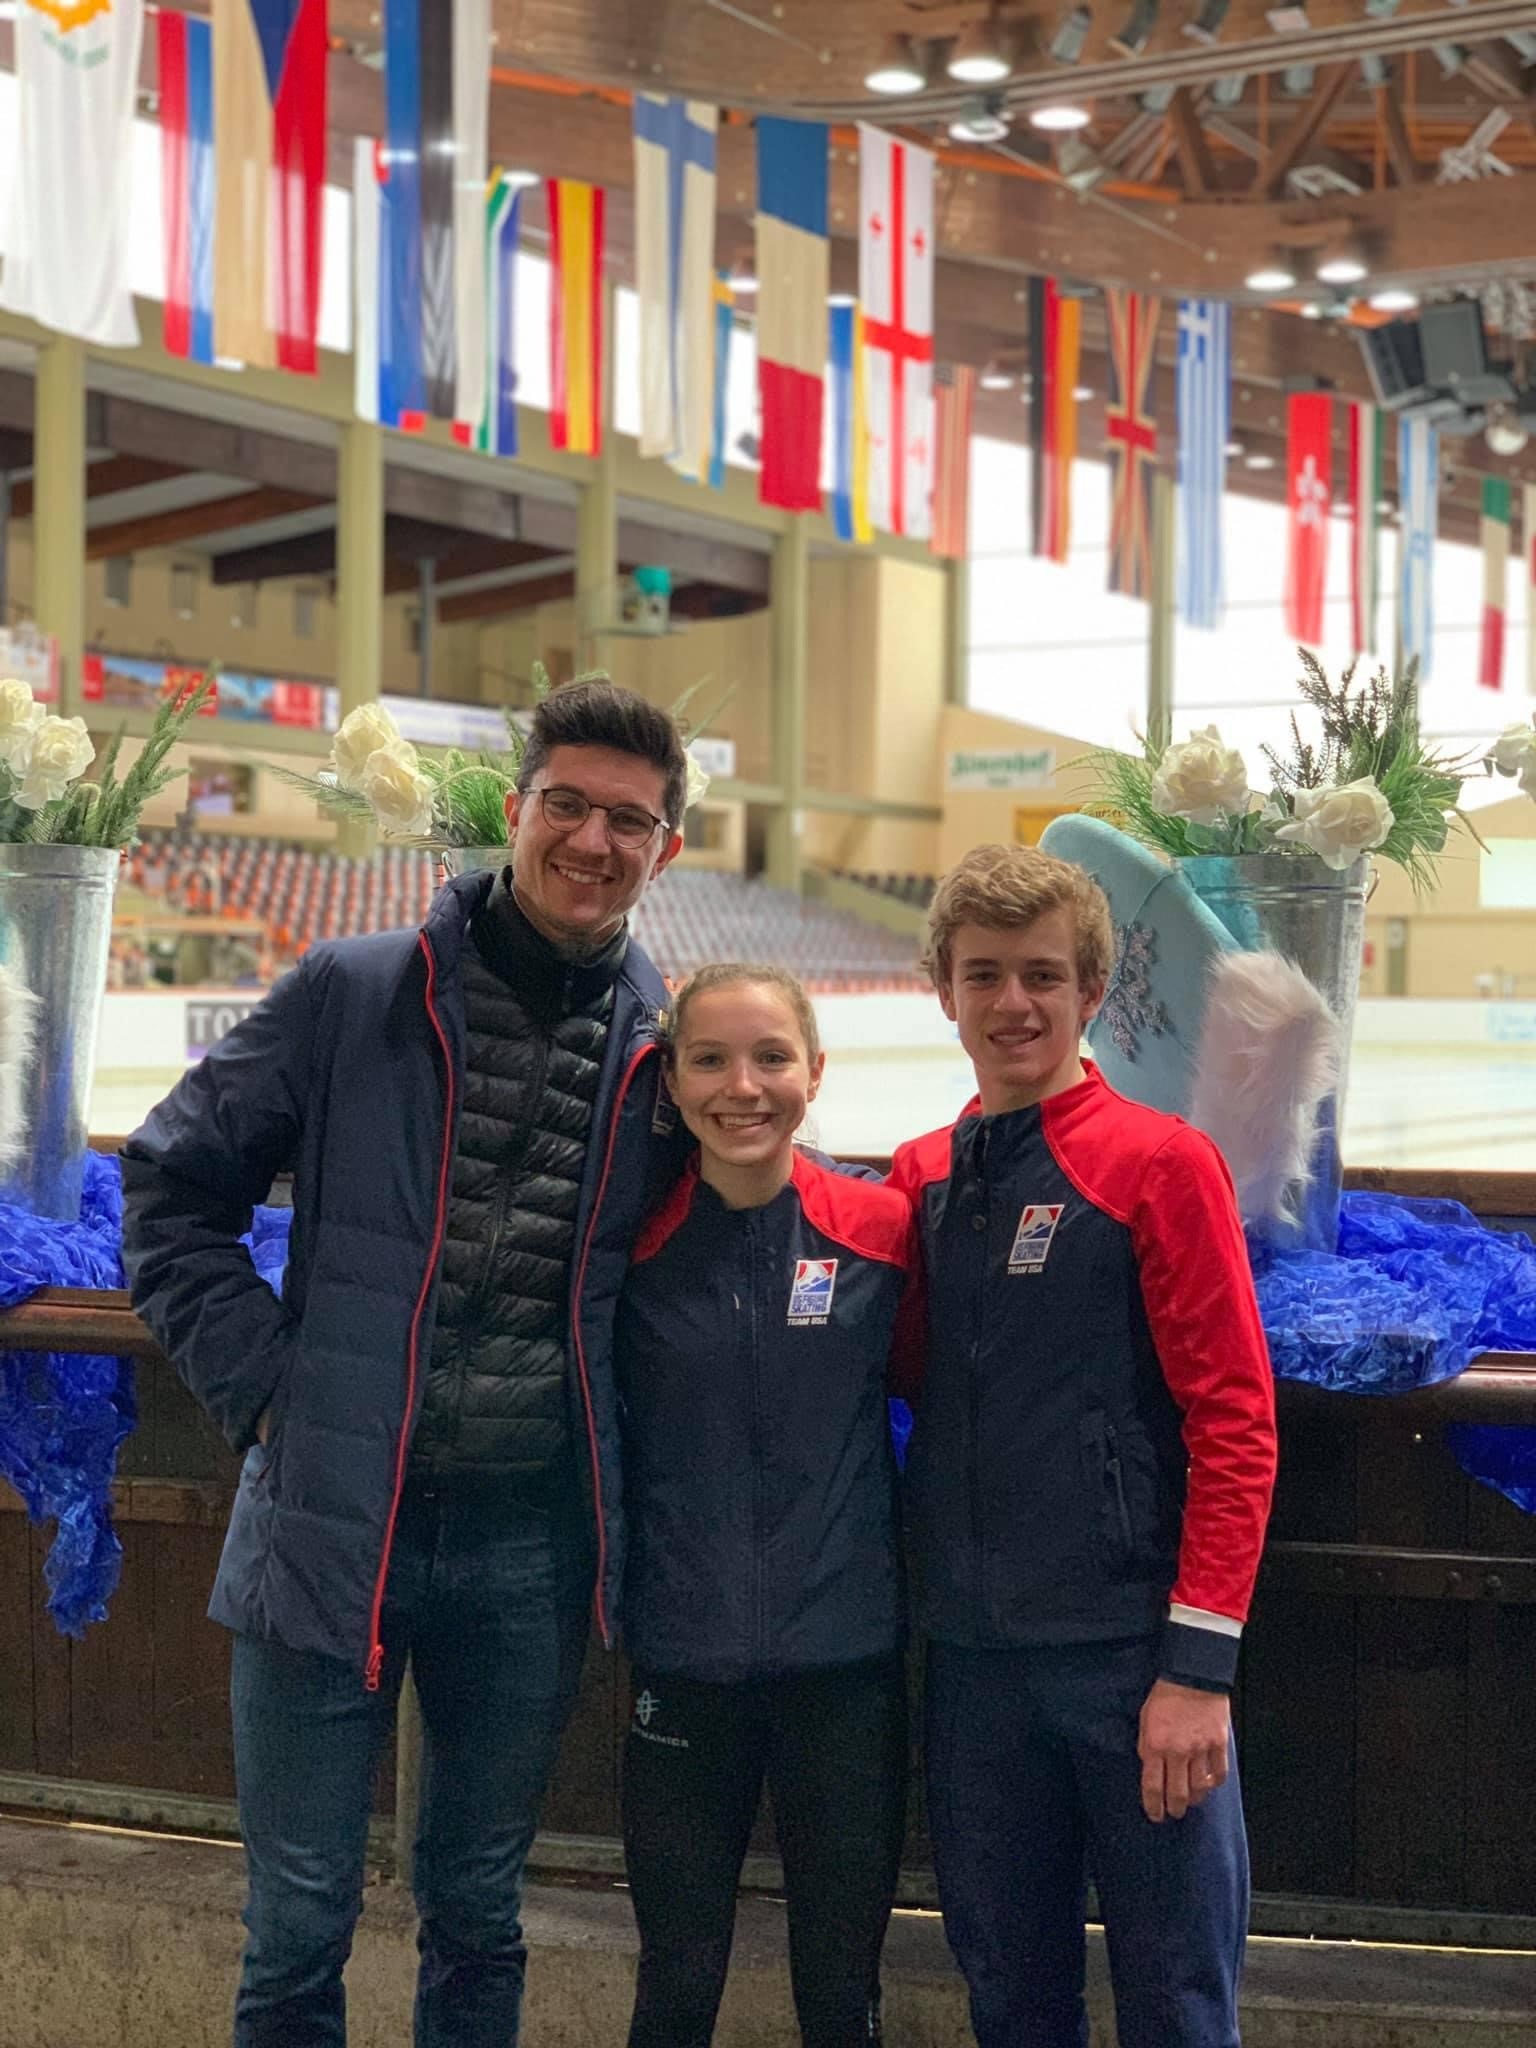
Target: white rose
[1512,752]
[400,794]
[1341,823]
[61,752]
[698,782]
[1201,780]
[362,732]
[1528,774]
[20,716]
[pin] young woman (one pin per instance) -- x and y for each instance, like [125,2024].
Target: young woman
[763,1596]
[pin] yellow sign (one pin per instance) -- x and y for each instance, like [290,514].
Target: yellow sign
[68,14]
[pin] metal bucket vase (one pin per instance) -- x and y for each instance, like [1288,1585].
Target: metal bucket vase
[468,860]
[1314,915]
[55,935]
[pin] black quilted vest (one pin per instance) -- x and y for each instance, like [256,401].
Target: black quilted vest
[495,1401]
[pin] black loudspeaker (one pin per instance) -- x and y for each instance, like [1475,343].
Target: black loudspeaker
[1394,355]
[1456,353]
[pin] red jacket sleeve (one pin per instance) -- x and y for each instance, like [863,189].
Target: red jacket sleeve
[1198,1290]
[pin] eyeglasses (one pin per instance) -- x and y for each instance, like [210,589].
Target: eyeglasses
[567,810]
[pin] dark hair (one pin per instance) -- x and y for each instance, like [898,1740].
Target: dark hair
[739,974]
[604,714]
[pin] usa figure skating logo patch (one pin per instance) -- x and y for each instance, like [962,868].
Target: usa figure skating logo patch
[810,1298]
[1032,1242]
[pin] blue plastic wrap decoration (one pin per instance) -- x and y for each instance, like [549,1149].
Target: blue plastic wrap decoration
[63,1414]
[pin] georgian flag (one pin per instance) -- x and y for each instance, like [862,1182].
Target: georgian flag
[896,294]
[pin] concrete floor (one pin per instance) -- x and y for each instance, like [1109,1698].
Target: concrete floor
[115,1940]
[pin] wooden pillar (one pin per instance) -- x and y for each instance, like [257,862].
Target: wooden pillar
[58,508]
[790,601]
[359,585]
[1162,610]
[957,627]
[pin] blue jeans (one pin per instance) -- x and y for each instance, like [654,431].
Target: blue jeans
[490,1604]
[1033,1780]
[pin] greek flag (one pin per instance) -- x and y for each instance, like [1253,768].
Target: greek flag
[1418,489]
[1205,413]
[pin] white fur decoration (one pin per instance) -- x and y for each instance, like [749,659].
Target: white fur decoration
[1268,1054]
[18,1010]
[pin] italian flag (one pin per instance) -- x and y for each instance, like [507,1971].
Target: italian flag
[1365,445]
[1490,664]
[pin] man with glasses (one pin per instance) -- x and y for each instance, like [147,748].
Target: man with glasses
[427,1415]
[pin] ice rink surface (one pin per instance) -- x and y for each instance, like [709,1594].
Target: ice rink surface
[1431,1084]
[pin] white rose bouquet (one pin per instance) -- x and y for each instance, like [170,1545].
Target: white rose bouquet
[1512,753]
[455,799]
[1370,786]
[43,759]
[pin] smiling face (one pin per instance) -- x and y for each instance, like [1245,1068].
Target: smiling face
[743,1077]
[577,887]
[1015,995]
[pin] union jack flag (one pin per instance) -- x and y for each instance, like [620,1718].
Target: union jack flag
[1131,424]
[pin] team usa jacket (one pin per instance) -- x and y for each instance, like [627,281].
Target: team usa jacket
[753,1348]
[1094,1451]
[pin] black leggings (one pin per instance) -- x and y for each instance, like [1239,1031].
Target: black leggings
[832,1746]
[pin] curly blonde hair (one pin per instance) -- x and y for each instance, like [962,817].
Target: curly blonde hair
[1004,887]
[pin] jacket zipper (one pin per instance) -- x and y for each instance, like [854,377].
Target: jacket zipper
[1114,1471]
[977,1566]
[581,1354]
[759,1482]
[375,1663]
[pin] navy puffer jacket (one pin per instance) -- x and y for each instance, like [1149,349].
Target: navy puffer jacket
[350,1072]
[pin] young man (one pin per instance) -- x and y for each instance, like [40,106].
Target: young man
[1091,1473]
[427,1416]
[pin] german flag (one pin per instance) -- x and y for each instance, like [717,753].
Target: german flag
[1055,340]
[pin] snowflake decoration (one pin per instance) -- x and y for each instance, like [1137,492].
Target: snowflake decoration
[1129,1007]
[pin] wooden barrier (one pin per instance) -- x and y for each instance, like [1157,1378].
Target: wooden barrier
[1385,1705]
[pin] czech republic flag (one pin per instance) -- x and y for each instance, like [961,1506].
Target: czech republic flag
[269,113]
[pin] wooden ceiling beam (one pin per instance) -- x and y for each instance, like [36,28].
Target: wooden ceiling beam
[501,598]
[190,523]
[1394,128]
[1189,141]
[104,479]
[1294,141]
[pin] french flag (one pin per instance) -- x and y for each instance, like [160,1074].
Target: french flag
[793,269]
[186,154]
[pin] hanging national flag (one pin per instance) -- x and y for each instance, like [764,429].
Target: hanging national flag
[186,182]
[576,310]
[496,433]
[792,270]
[1205,414]
[1365,471]
[725,325]
[1055,336]
[954,403]
[1528,535]
[437,81]
[1309,496]
[1131,424]
[896,293]
[71,145]
[1418,492]
[674,277]
[269,139]
[1495,537]
[850,429]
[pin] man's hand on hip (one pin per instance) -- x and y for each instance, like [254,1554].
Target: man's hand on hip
[1182,1746]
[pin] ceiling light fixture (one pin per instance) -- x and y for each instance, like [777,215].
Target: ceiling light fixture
[743,279]
[978,57]
[1344,263]
[1233,448]
[1207,24]
[995,378]
[523,181]
[1289,19]
[1504,433]
[1137,33]
[984,120]
[1258,462]
[1083,391]
[1311,310]
[1068,42]
[1394,300]
[896,70]
[1060,118]
[1270,276]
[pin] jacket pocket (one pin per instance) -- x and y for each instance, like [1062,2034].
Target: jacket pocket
[1104,1487]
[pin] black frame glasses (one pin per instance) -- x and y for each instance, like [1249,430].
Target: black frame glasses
[631,835]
